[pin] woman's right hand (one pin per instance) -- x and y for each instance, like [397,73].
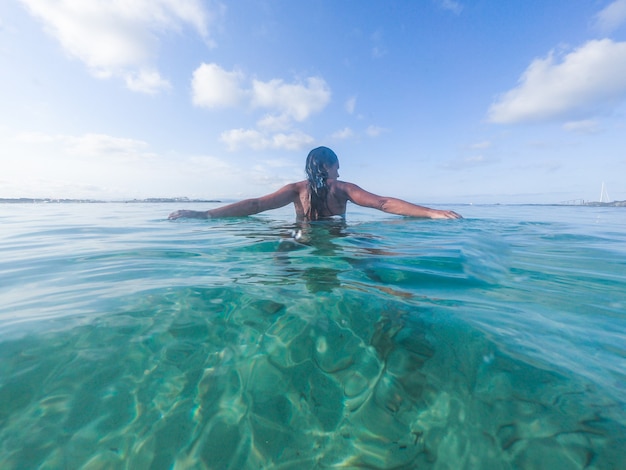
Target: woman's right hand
[188,214]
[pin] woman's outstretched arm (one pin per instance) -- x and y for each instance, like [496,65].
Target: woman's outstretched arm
[280,198]
[393,205]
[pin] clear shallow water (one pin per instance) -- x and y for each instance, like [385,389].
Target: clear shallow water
[130,341]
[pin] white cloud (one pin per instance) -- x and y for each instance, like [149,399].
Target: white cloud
[475,160]
[351,105]
[274,123]
[378,49]
[146,81]
[375,131]
[286,103]
[252,138]
[101,145]
[237,138]
[587,126]
[589,80]
[91,146]
[468,162]
[292,141]
[296,101]
[35,138]
[451,5]
[342,134]
[119,39]
[485,144]
[612,17]
[349,133]
[101,166]
[214,87]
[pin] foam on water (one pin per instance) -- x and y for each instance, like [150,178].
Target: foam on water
[128,341]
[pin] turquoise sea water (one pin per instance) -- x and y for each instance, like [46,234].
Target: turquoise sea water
[129,341]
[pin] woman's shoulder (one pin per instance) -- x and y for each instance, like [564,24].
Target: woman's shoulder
[295,187]
[299,186]
[345,186]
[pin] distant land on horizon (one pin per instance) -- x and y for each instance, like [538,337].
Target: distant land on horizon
[605,204]
[37,200]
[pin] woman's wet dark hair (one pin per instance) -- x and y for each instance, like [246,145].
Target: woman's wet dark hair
[316,174]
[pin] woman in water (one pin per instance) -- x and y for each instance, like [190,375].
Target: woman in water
[320,196]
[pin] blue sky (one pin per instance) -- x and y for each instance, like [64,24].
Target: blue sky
[436,101]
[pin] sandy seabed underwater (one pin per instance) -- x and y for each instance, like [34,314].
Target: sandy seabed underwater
[494,342]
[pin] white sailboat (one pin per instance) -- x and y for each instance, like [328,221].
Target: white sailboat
[603,193]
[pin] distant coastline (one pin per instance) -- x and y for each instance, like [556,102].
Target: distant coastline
[34,200]
[606,204]
[594,203]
